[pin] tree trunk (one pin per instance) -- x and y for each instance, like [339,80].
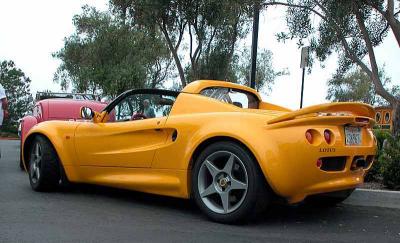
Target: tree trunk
[396,120]
[174,53]
[393,22]
[395,25]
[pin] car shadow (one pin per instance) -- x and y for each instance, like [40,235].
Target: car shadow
[130,196]
[276,212]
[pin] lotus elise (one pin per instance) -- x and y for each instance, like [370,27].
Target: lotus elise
[215,142]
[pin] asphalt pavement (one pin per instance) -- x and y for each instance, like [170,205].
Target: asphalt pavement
[97,214]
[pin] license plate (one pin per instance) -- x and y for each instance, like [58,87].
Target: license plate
[353,135]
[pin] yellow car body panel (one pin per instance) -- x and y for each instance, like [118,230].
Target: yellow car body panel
[140,155]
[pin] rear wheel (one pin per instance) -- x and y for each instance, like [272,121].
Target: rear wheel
[329,199]
[44,166]
[227,184]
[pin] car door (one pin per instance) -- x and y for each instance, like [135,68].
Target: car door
[130,137]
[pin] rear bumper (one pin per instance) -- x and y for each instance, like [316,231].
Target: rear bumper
[291,167]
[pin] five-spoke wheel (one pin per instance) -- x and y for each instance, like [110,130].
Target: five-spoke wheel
[222,189]
[44,167]
[35,162]
[227,183]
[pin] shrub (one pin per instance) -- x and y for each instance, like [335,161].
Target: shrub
[389,161]
[381,135]
[374,174]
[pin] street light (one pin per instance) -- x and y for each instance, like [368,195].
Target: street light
[303,64]
[254,44]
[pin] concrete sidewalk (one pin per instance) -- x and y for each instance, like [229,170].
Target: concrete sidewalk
[374,198]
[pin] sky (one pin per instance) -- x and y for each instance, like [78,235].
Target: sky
[30,31]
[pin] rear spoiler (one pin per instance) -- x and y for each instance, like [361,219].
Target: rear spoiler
[356,109]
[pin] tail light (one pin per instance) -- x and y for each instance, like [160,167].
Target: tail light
[309,136]
[328,136]
[362,120]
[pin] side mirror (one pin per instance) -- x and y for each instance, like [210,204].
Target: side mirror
[87,113]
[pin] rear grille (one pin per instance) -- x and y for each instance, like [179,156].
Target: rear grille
[333,163]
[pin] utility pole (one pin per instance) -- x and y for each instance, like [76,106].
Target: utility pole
[254,44]
[303,65]
[302,88]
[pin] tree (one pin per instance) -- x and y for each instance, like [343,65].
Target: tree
[352,29]
[209,24]
[17,87]
[356,86]
[164,15]
[265,73]
[107,54]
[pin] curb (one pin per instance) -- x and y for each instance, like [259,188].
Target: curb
[374,198]
[7,138]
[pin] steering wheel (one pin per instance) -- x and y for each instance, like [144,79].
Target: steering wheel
[138,116]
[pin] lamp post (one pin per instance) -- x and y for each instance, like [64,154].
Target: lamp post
[254,44]
[303,65]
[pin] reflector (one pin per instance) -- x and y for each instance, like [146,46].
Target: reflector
[319,163]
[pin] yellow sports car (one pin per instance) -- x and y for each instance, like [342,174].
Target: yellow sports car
[215,142]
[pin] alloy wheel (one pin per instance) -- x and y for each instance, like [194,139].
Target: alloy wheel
[222,182]
[35,163]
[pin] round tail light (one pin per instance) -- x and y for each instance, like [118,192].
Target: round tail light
[328,136]
[309,137]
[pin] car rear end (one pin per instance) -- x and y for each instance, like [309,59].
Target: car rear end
[320,149]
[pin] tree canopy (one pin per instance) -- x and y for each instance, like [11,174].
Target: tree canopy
[105,54]
[265,71]
[352,29]
[17,87]
[213,28]
[356,86]
[141,43]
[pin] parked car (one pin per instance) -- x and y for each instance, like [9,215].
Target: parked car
[55,109]
[73,96]
[215,142]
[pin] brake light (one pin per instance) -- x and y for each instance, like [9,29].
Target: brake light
[328,136]
[309,137]
[362,120]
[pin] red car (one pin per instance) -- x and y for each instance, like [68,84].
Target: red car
[56,109]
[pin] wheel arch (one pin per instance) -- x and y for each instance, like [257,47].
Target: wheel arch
[27,145]
[208,141]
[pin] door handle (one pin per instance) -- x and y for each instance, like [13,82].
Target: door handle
[158,129]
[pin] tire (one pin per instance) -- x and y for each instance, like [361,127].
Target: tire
[227,172]
[21,163]
[329,199]
[44,166]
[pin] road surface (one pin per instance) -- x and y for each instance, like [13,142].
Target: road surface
[97,214]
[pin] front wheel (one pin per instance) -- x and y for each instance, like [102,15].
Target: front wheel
[21,163]
[227,183]
[44,170]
